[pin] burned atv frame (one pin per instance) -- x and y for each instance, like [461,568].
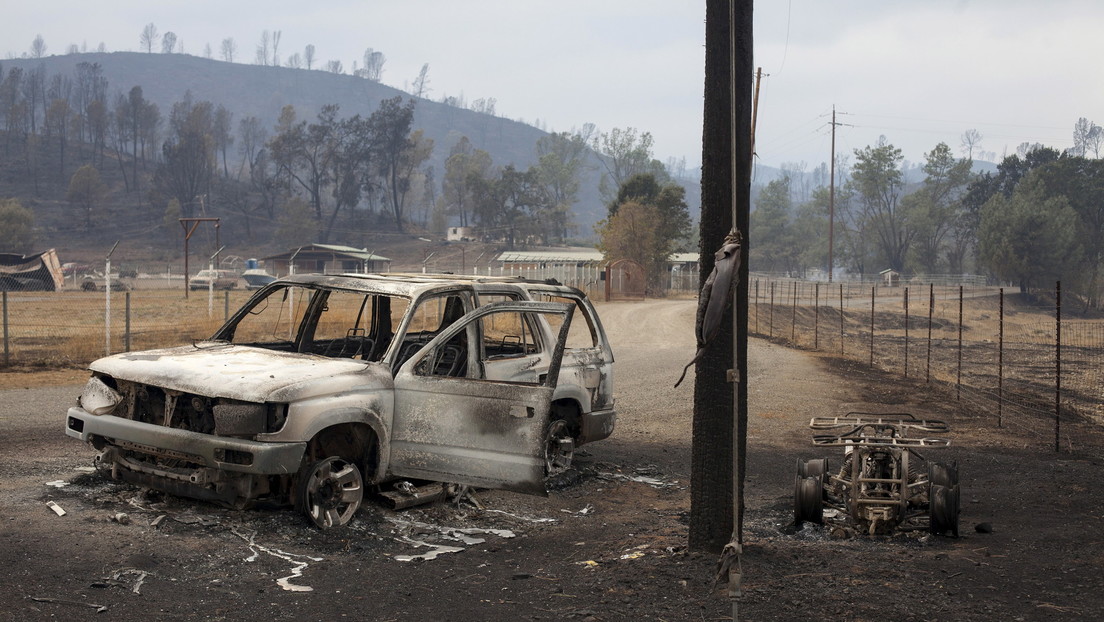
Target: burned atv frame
[881,484]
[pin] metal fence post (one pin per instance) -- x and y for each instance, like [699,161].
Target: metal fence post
[906,330]
[958,381]
[793,317]
[841,319]
[816,316]
[7,350]
[931,312]
[770,324]
[872,289]
[871,326]
[756,306]
[126,333]
[1057,362]
[1000,363]
[226,306]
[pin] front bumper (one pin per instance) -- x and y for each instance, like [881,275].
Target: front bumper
[206,450]
[597,425]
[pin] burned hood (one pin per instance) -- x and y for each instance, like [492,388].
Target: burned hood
[224,370]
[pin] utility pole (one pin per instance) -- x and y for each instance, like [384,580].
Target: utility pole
[188,231]
[832,197]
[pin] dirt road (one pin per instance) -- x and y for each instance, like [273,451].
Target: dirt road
[609,546]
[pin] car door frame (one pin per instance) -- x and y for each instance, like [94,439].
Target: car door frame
[468,430]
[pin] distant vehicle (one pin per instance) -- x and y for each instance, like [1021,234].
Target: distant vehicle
[223,279]
[256,278]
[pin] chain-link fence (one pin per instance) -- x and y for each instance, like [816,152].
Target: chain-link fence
[1009,355]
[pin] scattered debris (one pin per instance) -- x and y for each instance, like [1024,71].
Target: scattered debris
[983,528]
[635,552]
[60,601]
[122,518]
[502,533]
[408,495]
[192,519]
[58,483]
[588,509]
[523,518]
[116,579]
[654,482]
[85,469]
[458,534]
[56,508]
[590,563]
[157,521]
[297,565]
[433,553]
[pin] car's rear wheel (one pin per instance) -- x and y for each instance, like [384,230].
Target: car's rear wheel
[943,506]
[808,500]
[559,447]
[330,491]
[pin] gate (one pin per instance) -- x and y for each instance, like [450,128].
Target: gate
[625,280]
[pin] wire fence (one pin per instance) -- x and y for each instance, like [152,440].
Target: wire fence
[1012,357]
[91,316]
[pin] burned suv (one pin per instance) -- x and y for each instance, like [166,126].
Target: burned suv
[322,385]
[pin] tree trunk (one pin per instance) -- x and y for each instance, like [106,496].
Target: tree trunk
[711,488]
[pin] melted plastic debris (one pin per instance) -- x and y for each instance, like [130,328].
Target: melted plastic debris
[296,560]
[464,535]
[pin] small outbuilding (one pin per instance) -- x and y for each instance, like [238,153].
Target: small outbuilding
[890,277]
[327,259]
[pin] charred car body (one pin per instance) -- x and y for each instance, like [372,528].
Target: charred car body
[321,386]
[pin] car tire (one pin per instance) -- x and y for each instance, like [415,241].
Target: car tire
[559,448]
[329,491]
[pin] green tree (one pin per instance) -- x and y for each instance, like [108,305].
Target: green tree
[559,165]
[188,158]
[657,221]
[1009,173]
[398,153]
[463,165]
[508,202]
[935,209]
[16,227]
[86,191]
[878,186]
[304,153]
[776,248]
[1030,238]
[293,223]
[625,153]
[1081,181]
[810,229]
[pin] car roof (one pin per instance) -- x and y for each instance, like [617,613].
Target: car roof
[413,284]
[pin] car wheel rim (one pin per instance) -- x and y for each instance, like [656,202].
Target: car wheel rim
[334,491]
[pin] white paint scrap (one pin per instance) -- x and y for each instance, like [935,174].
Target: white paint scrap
[56,508]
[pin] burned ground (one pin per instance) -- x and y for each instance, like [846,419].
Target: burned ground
[610,544]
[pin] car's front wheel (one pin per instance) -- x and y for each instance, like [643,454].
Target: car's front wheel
[330,491]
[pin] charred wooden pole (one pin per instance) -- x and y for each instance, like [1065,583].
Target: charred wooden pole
[720,399]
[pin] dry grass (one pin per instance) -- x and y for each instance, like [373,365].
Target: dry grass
[67,329]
